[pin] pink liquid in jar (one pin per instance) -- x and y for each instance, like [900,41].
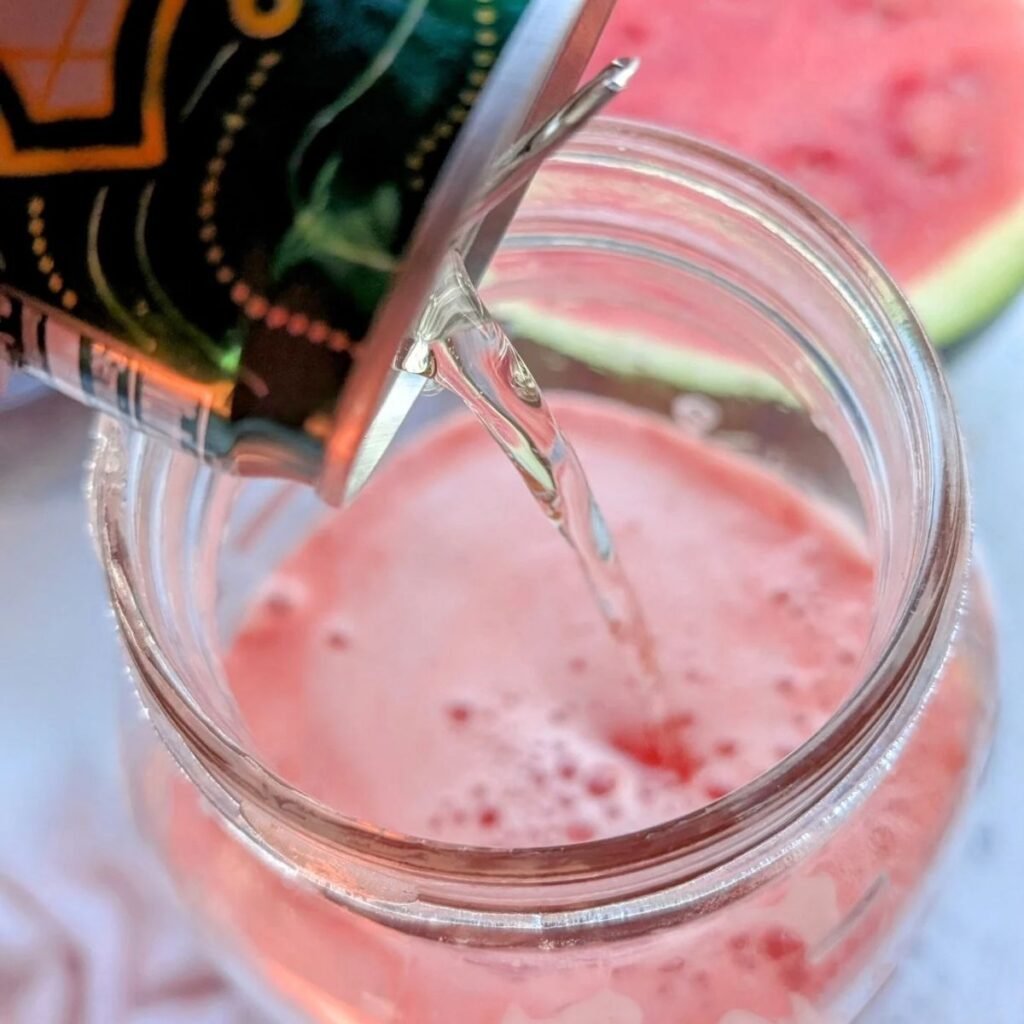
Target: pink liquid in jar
[431,662]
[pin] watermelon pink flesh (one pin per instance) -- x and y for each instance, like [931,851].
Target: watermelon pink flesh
[905,117]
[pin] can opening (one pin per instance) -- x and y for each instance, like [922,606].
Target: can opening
[536,73]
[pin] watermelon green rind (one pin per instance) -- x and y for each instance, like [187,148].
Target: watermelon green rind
[972,284]
[634,354]
[967,290]
[959,296]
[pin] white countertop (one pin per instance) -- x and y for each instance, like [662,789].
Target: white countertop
[60,672]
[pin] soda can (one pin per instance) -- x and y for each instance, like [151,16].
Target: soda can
[219,219]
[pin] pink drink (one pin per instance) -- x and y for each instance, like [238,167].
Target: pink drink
[432,662]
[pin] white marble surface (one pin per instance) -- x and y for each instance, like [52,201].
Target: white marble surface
[60,671]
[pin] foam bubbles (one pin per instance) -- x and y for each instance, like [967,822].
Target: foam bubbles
[284,596]
[337,638]
[489,817]
[716,790]
[601,781]
[785,686]
[459,713]
[579,832]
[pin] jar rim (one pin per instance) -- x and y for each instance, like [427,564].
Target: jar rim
[702,841]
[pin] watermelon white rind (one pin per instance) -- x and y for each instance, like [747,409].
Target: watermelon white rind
[971,285]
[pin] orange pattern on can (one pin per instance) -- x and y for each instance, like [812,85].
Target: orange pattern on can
[62,66]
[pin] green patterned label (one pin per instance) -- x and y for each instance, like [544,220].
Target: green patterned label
[203,202]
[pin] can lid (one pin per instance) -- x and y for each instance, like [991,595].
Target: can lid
[537,71]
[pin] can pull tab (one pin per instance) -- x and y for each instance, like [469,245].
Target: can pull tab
[519,163]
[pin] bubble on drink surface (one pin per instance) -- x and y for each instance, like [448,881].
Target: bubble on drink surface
[801,721]
[601,781]
[727,748]
[284,596]
[716,790]
[489,817]
[579,831]
[337,637]
[785,686]
[847,656]
[459,712]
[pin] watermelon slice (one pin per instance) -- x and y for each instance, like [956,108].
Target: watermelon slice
[905,117]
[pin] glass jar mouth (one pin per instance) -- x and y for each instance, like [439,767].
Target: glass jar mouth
[835,759]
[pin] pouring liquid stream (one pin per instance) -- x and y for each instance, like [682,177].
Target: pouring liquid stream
[461,347]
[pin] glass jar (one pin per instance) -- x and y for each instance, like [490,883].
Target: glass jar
[702,288]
